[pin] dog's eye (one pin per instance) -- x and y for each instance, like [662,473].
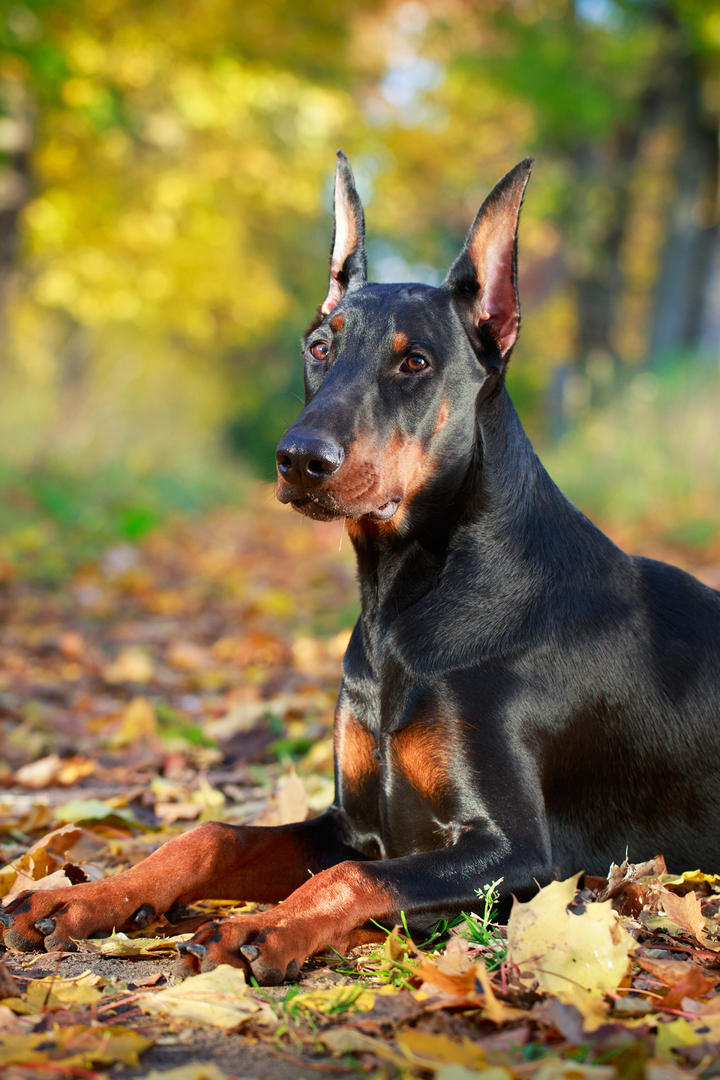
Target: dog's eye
[319,351]
[413,363]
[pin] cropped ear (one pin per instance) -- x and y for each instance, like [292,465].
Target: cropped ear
[483,278]
[348,263]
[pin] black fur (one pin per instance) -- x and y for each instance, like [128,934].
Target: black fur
[579,687]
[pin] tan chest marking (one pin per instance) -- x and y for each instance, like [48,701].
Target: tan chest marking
[423,753]
[355,751]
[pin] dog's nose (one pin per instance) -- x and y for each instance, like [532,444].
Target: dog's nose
[307,460]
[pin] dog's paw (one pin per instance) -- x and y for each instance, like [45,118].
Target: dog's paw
[56,918]
[264,949]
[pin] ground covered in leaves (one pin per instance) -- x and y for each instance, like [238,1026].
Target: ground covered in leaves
[192,677]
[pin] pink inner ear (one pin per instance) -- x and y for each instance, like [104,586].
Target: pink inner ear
[333,297]
[346,239]
[491,250]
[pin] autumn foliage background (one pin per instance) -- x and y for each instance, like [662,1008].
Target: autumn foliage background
[170,639]
[165,177]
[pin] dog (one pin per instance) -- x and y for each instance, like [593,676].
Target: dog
[519,700]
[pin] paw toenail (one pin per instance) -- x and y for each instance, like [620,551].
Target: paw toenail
[143,915]
[250,952]
[5,920]
[45,926]
[193,947]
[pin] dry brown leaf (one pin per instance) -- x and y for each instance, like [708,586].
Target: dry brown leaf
[8,986]
[289,804]
[177,811]
[53,769]
[459,985]
[188,656]
[131,665]
[685,980]
[46,856]
[57,880]
[686,912]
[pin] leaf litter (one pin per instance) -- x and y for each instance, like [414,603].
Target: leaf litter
[194,679]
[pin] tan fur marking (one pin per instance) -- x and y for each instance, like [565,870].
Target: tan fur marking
[399,469]
[423,753]
[400,342]
[337,322]
[442,418]
[355,750]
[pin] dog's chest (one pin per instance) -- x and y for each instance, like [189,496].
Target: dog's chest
[399,781]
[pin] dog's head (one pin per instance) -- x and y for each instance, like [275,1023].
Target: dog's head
[393,372]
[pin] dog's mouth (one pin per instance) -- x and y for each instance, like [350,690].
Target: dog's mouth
[312,507]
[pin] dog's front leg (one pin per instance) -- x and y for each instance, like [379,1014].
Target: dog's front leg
[213,861]
[331,909]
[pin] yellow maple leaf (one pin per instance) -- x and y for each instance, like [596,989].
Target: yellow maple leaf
[576,957]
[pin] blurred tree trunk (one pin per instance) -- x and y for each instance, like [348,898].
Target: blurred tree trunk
[15,143]
[683,290]
[603,176]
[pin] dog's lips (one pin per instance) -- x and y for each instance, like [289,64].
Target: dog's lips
[314,507]
[315,510]
[384,512]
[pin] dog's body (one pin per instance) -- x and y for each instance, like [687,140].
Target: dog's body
[520,699]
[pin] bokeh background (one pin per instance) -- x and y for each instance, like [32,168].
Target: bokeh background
[165,182]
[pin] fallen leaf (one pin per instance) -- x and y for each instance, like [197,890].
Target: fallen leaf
[39,774]
[177,811]
[8,986]
[187,656]
[53,992]
[685,980]
[76,1046]
[346,1040]
[46,856]
[686,912]
[93,810]
[194,1070]
[59,879]
[139,723]
[578,958]
[131,665]
[289,804]
[338,998]
[573,1070]
[217,998]
[428,1050]
[459,1072]
[119,944]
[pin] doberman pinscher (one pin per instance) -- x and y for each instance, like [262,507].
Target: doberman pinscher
[519,699]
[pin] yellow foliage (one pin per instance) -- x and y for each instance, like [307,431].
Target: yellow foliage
[578,958]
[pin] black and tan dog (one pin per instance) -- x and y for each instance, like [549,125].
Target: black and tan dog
[519,699]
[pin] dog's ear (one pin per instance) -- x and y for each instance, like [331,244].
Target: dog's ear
[483,278]
[348,263]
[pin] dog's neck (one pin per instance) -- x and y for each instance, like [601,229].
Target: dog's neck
[501,504]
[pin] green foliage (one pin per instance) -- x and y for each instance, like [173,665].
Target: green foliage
[481,928]
[648,457]
[173,238]
[173,726]
[54,520]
